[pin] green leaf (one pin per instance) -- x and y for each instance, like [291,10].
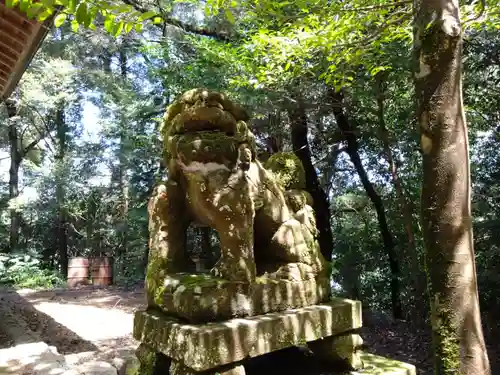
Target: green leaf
[24,5]
[75,25]
[72,5]
[118,28]
[128,27]
[109,23]
[157,20]
[229,16]
[82,16]
[45,14]
[48,3]
[11,3]
[147,15]
[59,19]
[138,27]
[124,8]
[287,66]
[33,10]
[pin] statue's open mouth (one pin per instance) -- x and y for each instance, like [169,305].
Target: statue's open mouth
[202,119]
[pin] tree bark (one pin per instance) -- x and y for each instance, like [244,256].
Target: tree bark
[321,204]
[15,162]
[458,338]
[123,167]
[62,225]
[352,150]
[418,283]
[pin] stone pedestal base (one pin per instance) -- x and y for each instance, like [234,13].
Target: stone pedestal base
[177,368]
[169,346]
[341,348]
[202,347]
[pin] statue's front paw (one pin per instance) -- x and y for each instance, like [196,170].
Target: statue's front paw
[233,272]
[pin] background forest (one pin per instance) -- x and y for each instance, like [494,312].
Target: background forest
[81,148]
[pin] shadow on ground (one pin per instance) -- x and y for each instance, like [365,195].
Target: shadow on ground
[22,323]
[104,297]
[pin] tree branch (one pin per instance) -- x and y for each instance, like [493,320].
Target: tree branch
[46,126]
[479,15]
[181,25]
[29,147]
[373,7]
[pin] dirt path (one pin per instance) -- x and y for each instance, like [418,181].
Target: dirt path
[84,323]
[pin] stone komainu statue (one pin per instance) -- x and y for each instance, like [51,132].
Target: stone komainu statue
[270,258]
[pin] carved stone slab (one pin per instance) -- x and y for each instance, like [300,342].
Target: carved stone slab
[206,346]
[207,300]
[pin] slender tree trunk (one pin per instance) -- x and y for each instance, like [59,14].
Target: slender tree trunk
[458,338]
[15,162]
[62,220]
[418,284]
[122,168]
[352,150]
[321,205]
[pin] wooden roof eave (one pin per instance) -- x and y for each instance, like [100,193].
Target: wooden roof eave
[20,39]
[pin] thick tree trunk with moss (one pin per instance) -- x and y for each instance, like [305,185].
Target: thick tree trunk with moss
[352,150]
[321,205]
[446,213]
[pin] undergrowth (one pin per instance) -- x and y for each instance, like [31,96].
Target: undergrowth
[25,270]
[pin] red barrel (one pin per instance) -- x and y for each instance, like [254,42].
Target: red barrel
[78,272]
[101,271]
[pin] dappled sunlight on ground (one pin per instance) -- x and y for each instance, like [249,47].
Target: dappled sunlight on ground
[89,322]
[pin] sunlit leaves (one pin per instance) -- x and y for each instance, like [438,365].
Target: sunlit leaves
[118,19]
[322,39]
[59,19]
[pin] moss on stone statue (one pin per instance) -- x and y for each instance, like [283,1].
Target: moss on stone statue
[147,358]
[155,276]
[201,280]
[288,170]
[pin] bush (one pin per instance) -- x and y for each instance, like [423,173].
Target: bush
[24,270]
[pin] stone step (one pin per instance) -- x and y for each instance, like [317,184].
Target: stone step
[377,365]
[38,358]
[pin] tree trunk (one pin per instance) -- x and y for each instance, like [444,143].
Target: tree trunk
[418,283]
[352,150]
[446,213]
[15,162]
[321,205]
[62,225]
[123,168]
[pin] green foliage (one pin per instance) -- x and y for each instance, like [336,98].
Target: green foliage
[118,17]
[25,270]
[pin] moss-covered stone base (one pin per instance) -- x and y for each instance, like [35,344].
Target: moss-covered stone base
[376,365]
[202,298]
[178,368]
[150,362]
[344,348]
[206,346]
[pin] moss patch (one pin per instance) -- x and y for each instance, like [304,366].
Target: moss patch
[288,170]
[200,280]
